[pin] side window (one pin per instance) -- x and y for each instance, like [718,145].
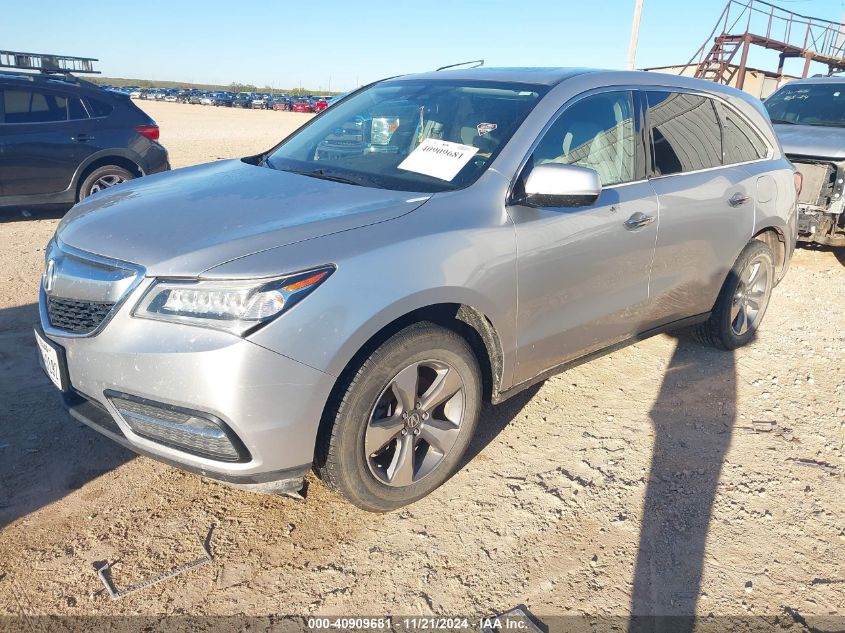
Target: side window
[75,109]
[741,142]
[29,106]
[685,133]
[596,132]
[99,108]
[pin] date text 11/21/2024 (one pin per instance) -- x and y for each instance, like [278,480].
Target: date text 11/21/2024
[515,620]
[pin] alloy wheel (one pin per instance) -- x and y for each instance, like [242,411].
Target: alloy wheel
[751,297]
[415,422]
[104,182]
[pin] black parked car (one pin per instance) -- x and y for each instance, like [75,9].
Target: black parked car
[63,139]
[224,99]
[243,100]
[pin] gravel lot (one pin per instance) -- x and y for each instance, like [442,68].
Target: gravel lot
[663,478]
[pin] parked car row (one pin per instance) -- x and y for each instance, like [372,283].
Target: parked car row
[251,100]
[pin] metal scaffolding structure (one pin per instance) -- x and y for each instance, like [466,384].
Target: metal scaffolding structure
[744,23]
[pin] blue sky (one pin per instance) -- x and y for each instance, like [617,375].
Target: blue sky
[337,44]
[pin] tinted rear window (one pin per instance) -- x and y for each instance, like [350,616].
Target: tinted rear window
[685,132]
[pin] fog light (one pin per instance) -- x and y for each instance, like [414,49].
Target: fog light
[191,431]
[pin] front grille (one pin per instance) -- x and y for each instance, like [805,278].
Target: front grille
[77,317]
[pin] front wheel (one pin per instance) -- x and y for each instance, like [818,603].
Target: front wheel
[742,301]
[401,424]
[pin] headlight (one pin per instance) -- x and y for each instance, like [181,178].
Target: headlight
[237,306]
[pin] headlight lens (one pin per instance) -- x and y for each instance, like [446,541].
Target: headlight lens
[237,306]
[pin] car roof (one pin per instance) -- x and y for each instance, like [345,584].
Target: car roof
[833,79]
[539,75]
[555,76]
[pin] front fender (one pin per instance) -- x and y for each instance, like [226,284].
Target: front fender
[384,272]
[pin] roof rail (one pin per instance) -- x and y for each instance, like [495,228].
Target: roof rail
[477,62]
[47,63]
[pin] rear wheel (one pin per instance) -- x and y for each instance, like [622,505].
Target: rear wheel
[743,300]
[404,420]
[103,178]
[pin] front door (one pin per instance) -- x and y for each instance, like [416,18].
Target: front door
[584,272]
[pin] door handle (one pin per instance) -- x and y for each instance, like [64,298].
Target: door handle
[638,220]
[738,199]
[82,138]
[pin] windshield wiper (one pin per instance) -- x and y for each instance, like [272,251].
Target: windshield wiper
[784,121]
[324,175]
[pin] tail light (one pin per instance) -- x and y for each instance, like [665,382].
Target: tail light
[798,181]
[148,131]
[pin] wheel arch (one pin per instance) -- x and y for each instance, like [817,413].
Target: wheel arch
[775,239]
[102,160]
[465,320]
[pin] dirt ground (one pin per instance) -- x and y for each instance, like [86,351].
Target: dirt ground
[664,478]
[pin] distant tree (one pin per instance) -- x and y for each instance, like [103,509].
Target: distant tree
[239,87]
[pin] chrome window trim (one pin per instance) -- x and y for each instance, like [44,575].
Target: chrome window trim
[770,155]
[140,275]
[635,89]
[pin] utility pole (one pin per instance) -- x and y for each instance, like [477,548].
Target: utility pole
[635,34]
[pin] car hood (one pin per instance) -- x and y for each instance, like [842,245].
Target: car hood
[184,222]
[812,140]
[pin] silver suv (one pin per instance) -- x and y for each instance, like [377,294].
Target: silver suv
[347,300]
[809,119]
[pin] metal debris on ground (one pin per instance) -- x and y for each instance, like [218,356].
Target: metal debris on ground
[115,593]
[814,463]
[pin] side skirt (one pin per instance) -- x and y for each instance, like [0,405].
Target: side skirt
[580,360]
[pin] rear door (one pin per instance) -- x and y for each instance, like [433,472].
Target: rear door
[44,136]
[706,206]
[583,272]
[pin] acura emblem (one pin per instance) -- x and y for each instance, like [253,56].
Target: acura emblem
[50,275]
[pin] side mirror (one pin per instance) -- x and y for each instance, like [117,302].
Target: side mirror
[556,185]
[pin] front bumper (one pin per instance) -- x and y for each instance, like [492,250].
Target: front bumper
[271,403]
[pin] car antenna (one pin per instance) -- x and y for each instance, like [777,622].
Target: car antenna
[476,62]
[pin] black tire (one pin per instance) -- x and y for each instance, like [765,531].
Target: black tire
[723,329]
[91,184]
[342,460]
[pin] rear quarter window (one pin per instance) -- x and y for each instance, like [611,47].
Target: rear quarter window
[741,142]
[100,108]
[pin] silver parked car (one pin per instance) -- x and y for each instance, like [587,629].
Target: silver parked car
[809,118]
[349,298]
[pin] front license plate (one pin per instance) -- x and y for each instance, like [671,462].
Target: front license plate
[52,361]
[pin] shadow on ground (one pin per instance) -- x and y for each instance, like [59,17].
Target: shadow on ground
[44,454]
[25,215]
[693,420]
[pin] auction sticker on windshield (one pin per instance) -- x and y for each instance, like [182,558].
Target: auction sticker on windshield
[440,159]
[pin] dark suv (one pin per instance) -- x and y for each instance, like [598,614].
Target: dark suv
[62,139]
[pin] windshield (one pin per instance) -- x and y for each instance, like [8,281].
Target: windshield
[424,136]
[809,104]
